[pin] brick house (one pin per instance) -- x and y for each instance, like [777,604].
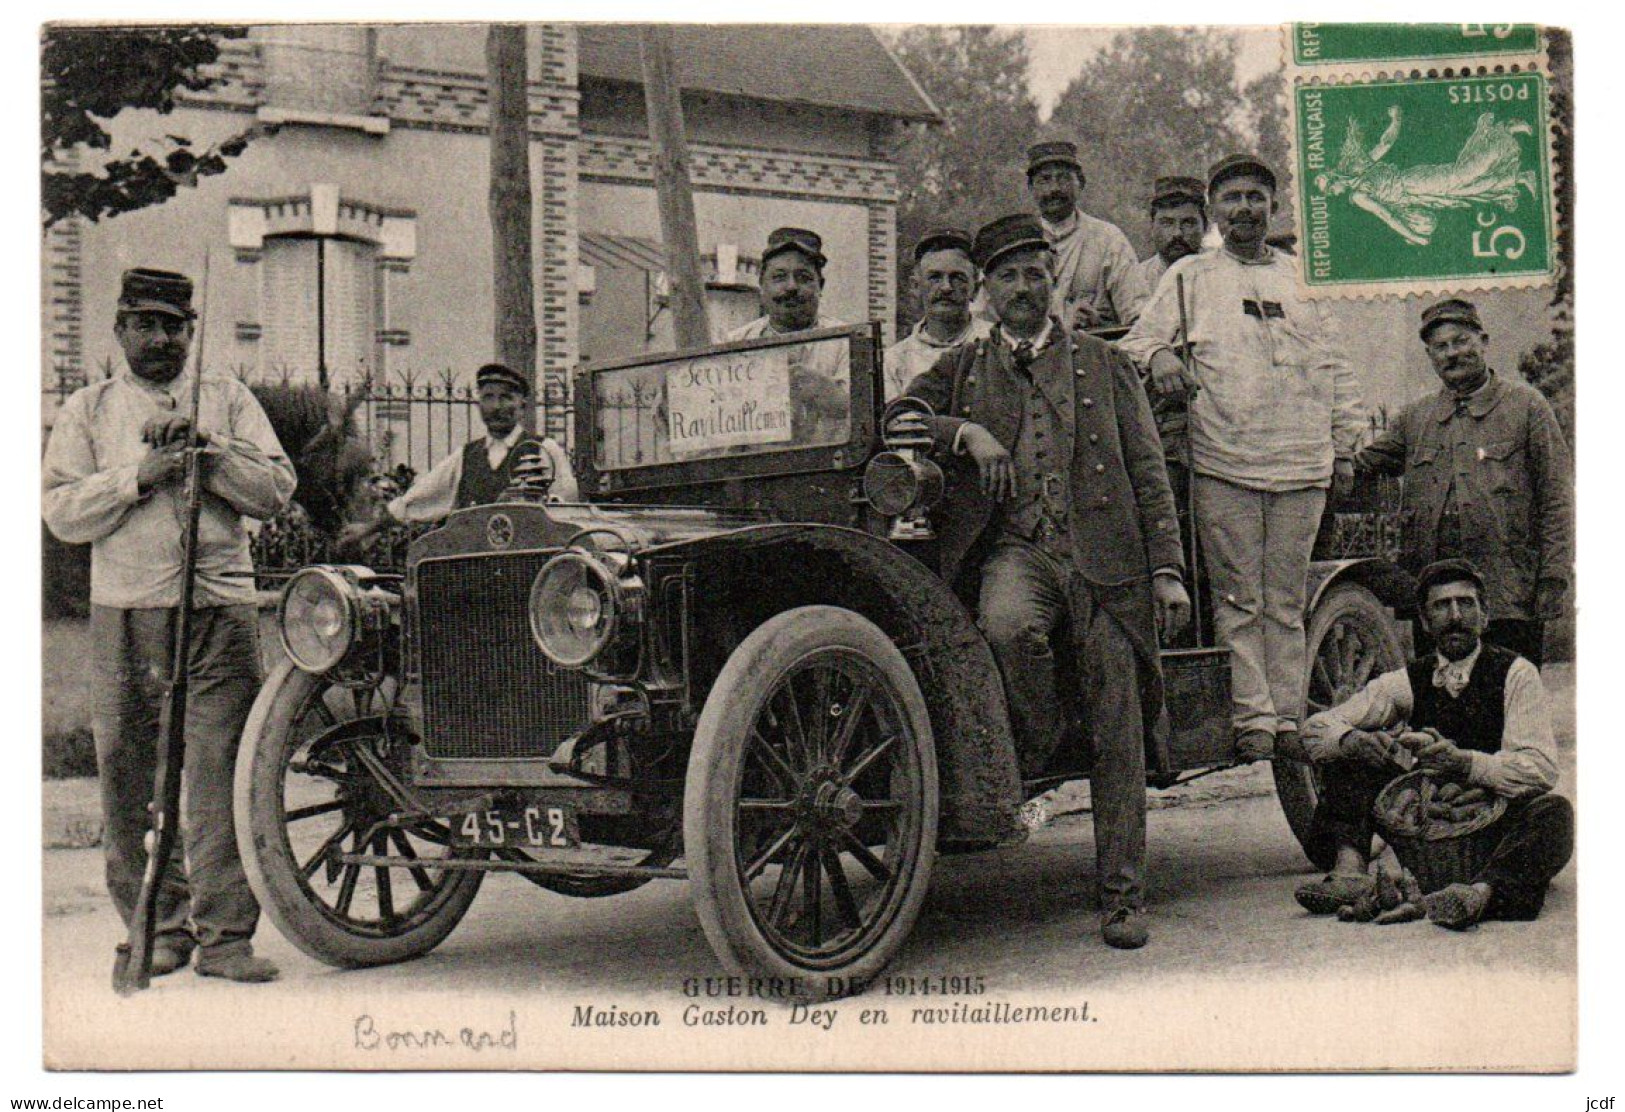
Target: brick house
[373,190]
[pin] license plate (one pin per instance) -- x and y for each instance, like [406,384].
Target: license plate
[530,826]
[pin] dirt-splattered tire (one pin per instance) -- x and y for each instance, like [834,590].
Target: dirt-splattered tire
[1352,638]
[810,807]
[308,789]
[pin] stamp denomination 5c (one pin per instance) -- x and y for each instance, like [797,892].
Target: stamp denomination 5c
[1415,185]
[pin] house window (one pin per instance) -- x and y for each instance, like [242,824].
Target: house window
[318,330]
[322,68]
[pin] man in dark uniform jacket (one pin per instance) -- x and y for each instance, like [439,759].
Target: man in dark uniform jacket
[485,467]
[1059,509]
[1488,709]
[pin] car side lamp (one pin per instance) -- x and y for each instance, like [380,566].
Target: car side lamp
[902,481]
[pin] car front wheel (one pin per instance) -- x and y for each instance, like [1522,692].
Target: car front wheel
[810,807]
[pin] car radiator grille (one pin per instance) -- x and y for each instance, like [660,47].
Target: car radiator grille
[488,692]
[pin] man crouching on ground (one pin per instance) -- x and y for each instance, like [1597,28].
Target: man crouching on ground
[1488,708]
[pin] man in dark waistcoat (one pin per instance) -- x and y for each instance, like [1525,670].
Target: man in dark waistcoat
[1488,709]
[1058,510]
[485,467]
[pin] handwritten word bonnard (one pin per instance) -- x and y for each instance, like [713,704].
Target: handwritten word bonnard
[368,1035]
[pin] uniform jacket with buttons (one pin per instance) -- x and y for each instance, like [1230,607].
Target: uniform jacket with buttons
[1505,452]
[1122,519]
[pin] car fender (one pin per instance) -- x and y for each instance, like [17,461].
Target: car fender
[764,569]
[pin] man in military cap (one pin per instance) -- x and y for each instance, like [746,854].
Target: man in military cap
[1487,477]
[944,280]
[1058,513]
[505,456]
[792,284]
[1097,280]
[1178,223]
[1273,423]
[114,474]
[1475,714]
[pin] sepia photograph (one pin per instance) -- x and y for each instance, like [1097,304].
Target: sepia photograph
[839,547]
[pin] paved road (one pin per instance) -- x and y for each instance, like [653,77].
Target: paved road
[1235,973]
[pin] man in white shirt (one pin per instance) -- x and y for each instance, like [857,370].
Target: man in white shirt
[1273,423]
[1485,710]
[114,477]
[944,280]
[792,285]
[486,467]
[1097,280]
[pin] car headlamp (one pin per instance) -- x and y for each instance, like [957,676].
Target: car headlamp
[319,616]
[576,605]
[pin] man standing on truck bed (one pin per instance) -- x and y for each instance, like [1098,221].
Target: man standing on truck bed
[1065,518]
[1273,422]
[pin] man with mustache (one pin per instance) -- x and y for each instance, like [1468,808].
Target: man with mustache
[1486,478]
[1178,223]
[1058,514]
[1097,280]
[1273,422]
[1484,712]
[507,456]
[792,283]
[944,280]
[114,475]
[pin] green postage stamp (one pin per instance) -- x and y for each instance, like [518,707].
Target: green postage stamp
[1406,186]
[1316,45]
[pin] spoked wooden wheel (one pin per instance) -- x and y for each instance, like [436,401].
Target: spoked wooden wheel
[314,778]
[810,811]
[1352,640]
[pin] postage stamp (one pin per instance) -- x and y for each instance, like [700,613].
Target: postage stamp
[1322,47]
[1405,186]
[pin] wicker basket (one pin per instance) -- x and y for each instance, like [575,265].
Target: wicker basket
[1438,854]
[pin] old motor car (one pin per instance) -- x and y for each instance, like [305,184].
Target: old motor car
[733,665]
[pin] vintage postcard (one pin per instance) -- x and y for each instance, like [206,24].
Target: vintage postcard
[746,547]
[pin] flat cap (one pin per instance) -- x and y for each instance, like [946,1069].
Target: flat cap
[1056,152]
[1175,190]
[1446,571]
[1452,310]
[780,240]
[1235,165]
[943,239]
[1016,232]
[495,374]
[156,291]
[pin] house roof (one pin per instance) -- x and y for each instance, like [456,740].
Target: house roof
[828,65]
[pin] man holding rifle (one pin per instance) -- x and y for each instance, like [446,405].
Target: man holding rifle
[114,476]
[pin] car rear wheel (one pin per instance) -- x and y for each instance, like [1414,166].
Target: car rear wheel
[1352,640]
[810,807]
[313,783]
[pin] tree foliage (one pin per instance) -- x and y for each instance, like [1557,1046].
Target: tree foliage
[1164,100]
[91,74]
[972,166]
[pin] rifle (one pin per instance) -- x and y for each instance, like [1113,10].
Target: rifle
[132,968]
[1192,550]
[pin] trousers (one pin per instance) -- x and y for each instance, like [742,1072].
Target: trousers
[1026,596]
[1537,837]
[1257,545]
[132,655]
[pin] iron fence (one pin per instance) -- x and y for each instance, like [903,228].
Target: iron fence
[411,418]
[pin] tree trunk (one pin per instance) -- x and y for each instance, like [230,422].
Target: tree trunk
[663,101]
[511,224]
